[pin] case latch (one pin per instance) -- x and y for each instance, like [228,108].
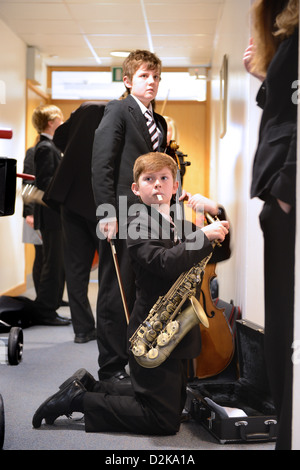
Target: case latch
[257,436]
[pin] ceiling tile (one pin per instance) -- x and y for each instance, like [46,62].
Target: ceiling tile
[28,10]
[181,32]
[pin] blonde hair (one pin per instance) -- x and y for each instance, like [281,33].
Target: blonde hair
[273,21]
[137,58]
[151,162]
[43,114]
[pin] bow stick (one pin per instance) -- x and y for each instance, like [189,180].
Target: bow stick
[114,254]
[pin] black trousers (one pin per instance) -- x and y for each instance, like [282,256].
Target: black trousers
[279,258]
[80,243]
[111,320]
[37,266]
[152,404]
[52,280]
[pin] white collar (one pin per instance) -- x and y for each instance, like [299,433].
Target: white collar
[49,136]
[142,106]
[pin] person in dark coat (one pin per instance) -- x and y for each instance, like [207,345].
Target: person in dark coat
[153,401]
[30,235]
[273,57]
[121,137]
[71,192]
[47,157]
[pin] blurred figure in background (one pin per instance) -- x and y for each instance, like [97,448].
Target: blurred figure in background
[71,192]
[30,235]
[47,157]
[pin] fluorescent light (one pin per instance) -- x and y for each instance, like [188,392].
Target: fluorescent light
[120,53]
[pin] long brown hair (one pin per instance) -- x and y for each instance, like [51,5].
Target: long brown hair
[272,22]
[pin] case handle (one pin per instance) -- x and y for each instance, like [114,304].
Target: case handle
[257,436]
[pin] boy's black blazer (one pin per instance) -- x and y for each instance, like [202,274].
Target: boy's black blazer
[274,169]
[71,185]
[120,139]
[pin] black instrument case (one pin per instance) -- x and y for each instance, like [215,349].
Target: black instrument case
[216,404]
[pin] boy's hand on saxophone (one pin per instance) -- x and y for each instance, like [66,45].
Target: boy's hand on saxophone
[216,230]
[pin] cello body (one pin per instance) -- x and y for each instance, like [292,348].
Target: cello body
[217,348]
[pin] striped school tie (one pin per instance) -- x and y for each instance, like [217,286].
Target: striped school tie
[152,130]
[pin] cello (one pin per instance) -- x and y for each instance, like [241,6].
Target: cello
[217,341]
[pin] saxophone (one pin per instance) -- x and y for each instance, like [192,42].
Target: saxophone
[166,324]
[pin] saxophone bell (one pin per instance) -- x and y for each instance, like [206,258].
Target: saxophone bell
[199,311]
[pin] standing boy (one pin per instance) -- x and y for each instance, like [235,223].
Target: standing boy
[121,137]
[153,402]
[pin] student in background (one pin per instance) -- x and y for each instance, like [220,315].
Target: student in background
[71,192]
[31,236]
[47,157]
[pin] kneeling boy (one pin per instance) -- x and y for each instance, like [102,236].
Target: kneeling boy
[153,402]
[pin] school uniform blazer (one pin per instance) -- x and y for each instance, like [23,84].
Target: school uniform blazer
[274,168]
[71,185]
[120,139]
[47,158]
[28,168]
[158,261]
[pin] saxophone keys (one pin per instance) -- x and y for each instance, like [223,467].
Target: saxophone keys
[139,349]
[150,335]
[172,327]
[170,308]
[163,339]
[164,316]
[152,353]
[157,325]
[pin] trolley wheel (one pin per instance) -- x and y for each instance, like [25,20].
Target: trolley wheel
[15,346]
[2,423]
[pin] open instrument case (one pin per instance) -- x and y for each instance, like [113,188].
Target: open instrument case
[240,408]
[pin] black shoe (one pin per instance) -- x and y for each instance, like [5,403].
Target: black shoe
[85,337]
[56,321]
[58,404]
[84,377]
[119,377]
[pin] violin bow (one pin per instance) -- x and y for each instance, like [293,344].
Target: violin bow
[117,267]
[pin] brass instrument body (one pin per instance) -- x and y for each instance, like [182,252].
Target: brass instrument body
[31,193]
[166,323]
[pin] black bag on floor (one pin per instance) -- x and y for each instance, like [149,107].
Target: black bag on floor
[16,311]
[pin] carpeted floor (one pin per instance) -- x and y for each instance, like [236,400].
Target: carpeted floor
[49,357]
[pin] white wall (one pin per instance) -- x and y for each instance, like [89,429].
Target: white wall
[241,277]
[12,115]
